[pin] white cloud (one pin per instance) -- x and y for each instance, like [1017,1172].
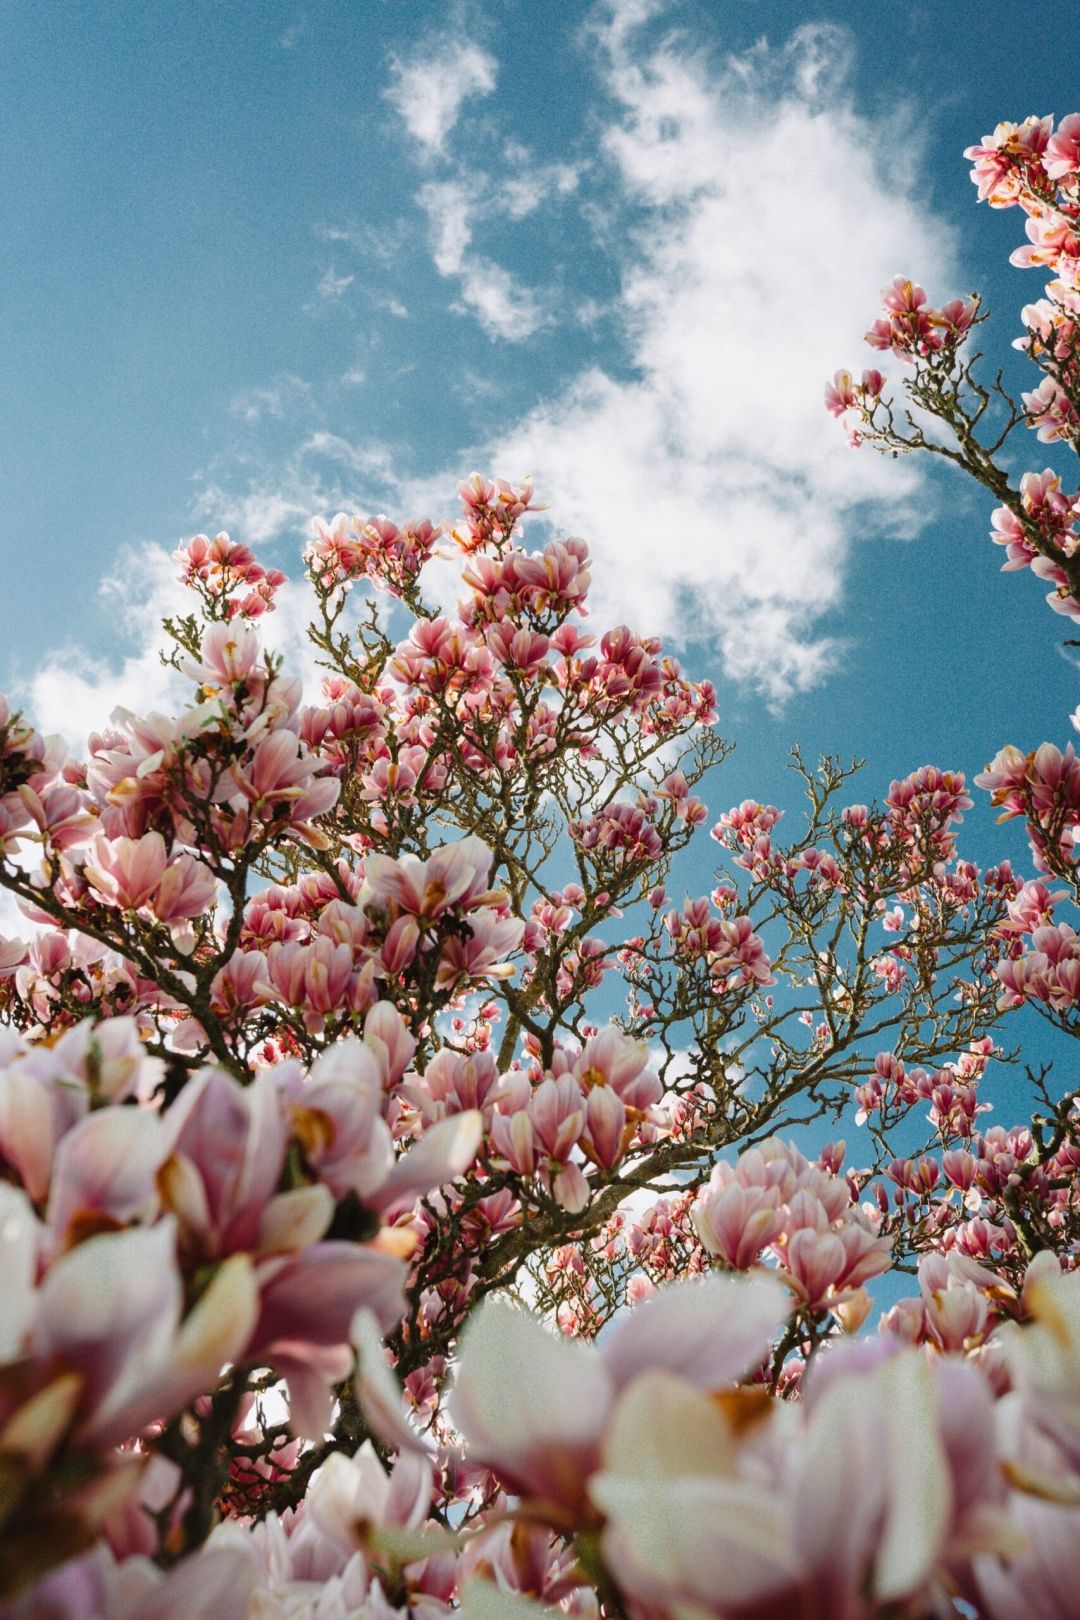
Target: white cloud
[503,305]
[371,460]
[455,207]
[448,206]
[716,494]
[430,90]
[521,194]
[613,21]
[291,37]
[13,925]
[255,517]
[504,308]
[287,394]
[74,695]
[383,242]
[822,55]
[332,286]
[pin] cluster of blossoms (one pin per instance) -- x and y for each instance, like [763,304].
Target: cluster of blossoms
[348,549]
[1032,166]
[323,951]
[910,327]
[148,1242]
[1035,167]
[227,578]
[1040,954]
[1041,534]
[732,953]
[242,1126]
[923,810]
[892,1089]
[996,1197]
[230,773]
[772,1211]
[804,1216]
[1044,788]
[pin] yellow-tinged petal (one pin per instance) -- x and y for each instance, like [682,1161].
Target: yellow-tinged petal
[37,1428]
[483,1600]
[663,1429]
[920,1492]
[219,1327]
[292,1220]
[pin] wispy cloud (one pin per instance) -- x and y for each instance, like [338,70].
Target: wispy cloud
[287,395]
[332,286]
[372,461]
[382,242]
[325,473]
[429,92]
[715,491]
[430,88]
[73,694]
[290,37]
[466,200]
[259,515]
[503,306]
[530,184]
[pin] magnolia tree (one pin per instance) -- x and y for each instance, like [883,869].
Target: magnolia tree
[400,1214]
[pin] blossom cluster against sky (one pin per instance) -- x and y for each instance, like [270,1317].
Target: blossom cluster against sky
[277,260]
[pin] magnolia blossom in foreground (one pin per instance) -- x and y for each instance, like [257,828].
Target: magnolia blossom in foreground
[882,1491]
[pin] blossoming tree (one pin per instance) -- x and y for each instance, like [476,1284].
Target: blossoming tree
[352,1038]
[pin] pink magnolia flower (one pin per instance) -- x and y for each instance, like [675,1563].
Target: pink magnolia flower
[1045,1357]
[840,394]
[104,1174]
[1038,1582]
[227,1150]
[319,979]
[478,955]
[186,890]
[337,1118]
[737,1222]
[999,163]
[125,872]
[111,1310]
[557,1111]
[306,1304]
[219,1580]
[46,1091]
[1061,158]
[280,780]
[614,1059]
[230,656]
[517,649]
[455,875]
[544,1438]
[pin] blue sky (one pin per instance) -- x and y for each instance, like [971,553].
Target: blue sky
[264,261]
